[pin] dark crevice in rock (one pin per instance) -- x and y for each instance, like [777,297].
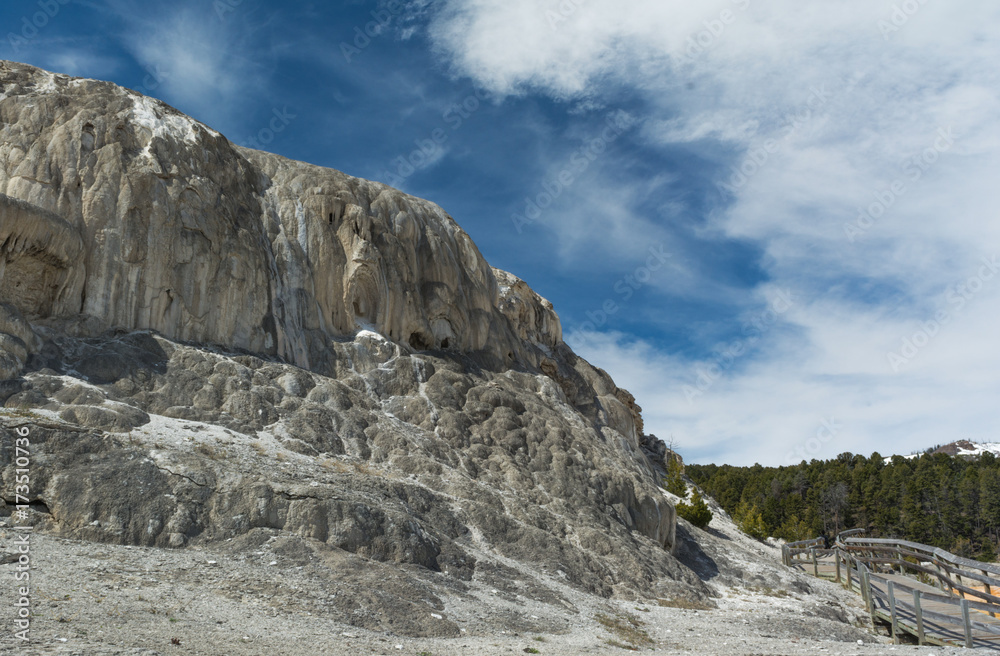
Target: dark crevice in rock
[39,506]
[188,478]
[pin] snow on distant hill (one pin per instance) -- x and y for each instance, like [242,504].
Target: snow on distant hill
[960,448]
[967,448]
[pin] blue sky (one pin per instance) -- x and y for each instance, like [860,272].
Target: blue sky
[774,223]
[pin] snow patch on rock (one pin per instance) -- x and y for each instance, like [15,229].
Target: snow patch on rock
[163,123]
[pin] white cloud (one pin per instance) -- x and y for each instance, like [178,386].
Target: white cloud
[769,404]
[72,61]
[830,106]
[201,62]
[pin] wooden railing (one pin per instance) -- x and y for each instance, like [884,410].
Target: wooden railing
[936,596]
[793,552]
[946,570]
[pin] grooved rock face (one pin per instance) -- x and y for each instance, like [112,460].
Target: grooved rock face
[183,233]
[292,349]
[405,458]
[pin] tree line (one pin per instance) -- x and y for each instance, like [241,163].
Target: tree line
[936,499]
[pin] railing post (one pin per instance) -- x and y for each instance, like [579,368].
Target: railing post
[836,558]
[812,552]
[942,579]
[967,621]
[892,613]
[989,590]
[920,617]
[866,591]
[785,557]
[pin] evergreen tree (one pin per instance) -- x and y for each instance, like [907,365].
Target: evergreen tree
[697,511]
[989,503]
[674,480]
[940,500]
[795,529]
[748,519]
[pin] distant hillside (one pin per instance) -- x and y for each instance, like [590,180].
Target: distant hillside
[962,448]
[934,498]
[967,448]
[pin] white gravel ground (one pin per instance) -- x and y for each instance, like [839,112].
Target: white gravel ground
[92,599]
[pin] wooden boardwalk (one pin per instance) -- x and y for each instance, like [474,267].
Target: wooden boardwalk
[895,580]
[937,629]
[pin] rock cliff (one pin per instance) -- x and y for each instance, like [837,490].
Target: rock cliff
[209,341]
[183,233]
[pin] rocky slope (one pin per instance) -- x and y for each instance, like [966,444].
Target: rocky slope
[271,592]
[205,341]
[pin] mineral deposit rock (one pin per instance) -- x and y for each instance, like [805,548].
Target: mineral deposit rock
[210,341]
[119,208]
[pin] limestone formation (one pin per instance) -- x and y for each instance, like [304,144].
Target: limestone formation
[209,340]
[186,234]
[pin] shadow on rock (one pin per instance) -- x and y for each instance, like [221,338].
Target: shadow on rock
[690,553]
[714,532]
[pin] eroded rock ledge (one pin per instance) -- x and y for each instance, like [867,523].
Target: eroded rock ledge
[183,233]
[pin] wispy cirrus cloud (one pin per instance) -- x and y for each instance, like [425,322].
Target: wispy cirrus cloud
[71,59]
[808,118]
[205,63]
